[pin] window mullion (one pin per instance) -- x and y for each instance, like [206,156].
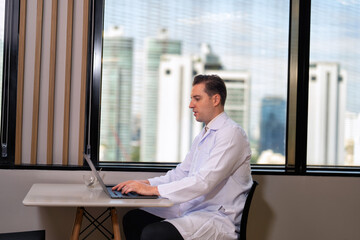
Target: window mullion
[298,75]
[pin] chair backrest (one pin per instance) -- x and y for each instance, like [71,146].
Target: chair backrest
[245,214]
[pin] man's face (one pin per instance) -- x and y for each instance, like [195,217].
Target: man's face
[202,104]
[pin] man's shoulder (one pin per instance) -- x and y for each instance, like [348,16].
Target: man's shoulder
[229,122]
[232,126]
[225,124]
[229,128]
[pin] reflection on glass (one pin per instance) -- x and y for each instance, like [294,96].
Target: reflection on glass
[334,84]
[152,51]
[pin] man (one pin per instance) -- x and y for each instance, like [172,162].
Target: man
[209,187]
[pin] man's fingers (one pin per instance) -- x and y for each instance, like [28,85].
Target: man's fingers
[118,187]
[129,186]
[125,189]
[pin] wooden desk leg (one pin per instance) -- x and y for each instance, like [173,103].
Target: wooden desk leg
[77,224]
[115,224]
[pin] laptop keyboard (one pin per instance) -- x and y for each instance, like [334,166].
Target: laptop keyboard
[119,194]
[130,195]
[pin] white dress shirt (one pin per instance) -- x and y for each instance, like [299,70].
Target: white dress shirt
[210,186]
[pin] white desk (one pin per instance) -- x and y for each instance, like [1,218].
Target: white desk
[77,195]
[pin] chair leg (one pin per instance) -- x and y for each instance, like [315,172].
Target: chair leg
[115,224]
[77,224]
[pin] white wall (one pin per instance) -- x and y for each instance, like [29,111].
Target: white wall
[284,207]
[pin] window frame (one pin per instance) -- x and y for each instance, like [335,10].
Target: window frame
[9,84]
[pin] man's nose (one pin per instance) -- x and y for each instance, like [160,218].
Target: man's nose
[191,105]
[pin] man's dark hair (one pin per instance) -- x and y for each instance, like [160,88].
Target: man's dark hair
[213,85]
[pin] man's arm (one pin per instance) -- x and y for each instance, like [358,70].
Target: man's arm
[149,187]
[229,152]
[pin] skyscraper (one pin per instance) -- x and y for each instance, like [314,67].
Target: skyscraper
[327,104]
[115,138]
[237,104]
[273,125]
[177,126]
[154,49]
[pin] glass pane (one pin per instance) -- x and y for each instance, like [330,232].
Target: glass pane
[334,84]
[153,49]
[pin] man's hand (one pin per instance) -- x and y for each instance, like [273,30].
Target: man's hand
[142,187]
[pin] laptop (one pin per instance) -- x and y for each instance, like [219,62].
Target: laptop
[108,189]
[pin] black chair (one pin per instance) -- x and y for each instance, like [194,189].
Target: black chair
[244,218]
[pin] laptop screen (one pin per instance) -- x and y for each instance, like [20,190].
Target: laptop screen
[96,174]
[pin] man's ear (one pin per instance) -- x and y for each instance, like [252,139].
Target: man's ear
[216,100]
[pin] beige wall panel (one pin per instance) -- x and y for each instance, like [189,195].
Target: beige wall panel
[20,83]
[28,79]
[44,84]
[75,83]
[60,82]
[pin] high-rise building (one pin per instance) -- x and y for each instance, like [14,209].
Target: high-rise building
[273,125]
[154,49]
[237,84]
[237,104]
[326,114]
[115,138]
[177,126]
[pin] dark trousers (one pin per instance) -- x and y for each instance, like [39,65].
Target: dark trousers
[138,224]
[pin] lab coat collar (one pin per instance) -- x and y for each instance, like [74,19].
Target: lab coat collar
[218,121]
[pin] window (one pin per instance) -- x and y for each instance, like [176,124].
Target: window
[151,52]
[334,104]
[294,95]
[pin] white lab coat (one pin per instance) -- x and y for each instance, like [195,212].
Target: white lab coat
[210,186]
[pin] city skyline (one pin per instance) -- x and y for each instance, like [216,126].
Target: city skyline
[246,36]
[235,31]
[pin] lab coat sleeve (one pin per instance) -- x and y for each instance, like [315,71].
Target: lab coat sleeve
[181,171]
[229,152]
